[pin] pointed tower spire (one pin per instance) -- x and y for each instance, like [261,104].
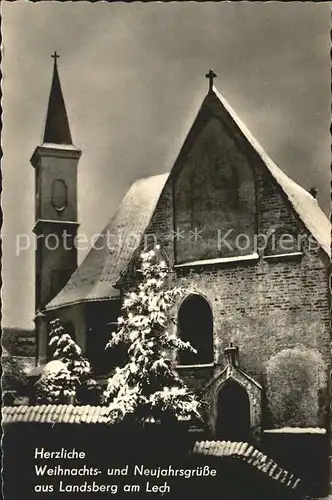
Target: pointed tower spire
[57,129]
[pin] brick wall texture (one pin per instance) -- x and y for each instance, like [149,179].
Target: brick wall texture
[264,306]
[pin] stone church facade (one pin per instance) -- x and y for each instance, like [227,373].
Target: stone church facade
[249,246]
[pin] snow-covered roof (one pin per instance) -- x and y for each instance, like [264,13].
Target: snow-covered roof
[54,414]
[303,202]
[247,453]
[296,430]
[100,271]
[111,253]
[53,145]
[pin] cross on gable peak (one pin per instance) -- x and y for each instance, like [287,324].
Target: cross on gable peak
[211,75]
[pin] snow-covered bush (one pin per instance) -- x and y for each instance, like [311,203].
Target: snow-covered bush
[68,369]
[295,379]
[56,387]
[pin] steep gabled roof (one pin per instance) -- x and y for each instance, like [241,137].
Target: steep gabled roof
[99,272]
[303,202]
[96,276]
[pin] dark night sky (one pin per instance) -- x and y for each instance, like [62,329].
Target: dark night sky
[133,79]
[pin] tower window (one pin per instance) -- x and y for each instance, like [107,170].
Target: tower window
[195,325]
[59,195]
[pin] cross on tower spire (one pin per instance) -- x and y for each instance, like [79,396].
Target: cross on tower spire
[57,126]
[55,56]
[211,75]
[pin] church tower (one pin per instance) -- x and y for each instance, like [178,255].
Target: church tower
[55,162]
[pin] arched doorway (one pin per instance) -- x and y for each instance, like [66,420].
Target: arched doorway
[233,412]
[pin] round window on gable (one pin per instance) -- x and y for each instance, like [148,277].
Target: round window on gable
[283,241]
[59,195]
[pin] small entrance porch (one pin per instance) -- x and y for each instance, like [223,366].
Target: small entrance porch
[235,399]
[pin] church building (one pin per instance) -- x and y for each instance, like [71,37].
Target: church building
[249,245]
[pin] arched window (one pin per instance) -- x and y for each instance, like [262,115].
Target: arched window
[283,241]
[195,324]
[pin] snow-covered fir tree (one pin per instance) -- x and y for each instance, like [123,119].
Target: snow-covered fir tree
[68,369]
[148,387]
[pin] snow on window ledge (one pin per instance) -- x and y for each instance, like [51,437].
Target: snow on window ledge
[221,260]
[203,365]
[283,256]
